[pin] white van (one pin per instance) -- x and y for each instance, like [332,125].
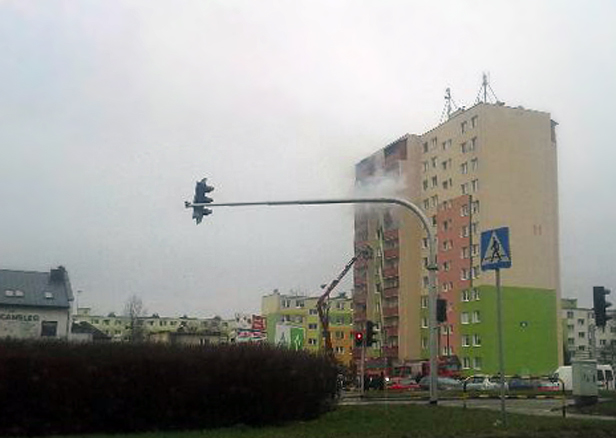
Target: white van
[605,377]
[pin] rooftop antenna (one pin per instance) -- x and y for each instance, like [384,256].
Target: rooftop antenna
[450,105]
[485,92]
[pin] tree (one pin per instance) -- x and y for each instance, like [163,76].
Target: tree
[135,310]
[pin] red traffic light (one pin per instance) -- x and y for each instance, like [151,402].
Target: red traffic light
[359,339]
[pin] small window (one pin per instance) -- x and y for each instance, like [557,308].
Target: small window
[570,315]
[582,335]
[48,295]
[476,316]
[466,362]
[580,321]
[466,295]
[464,318]
[424,342]
[424,322]
[475,164]
[473,144]
[464,168]
[476,340]
[464,188]
[49,329]
[312,341]
[424,302]
[9,293]
[425,147]
[466,341]
[475,185]
[474,121]
[464,126]
[312,326]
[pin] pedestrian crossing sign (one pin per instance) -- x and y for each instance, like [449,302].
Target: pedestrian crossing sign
[495,250]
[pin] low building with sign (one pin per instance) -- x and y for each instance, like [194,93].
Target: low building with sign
[35,305]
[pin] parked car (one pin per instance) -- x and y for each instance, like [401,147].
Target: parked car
[442,383]
[520,384]
[402,384]
[482,383]
[548,385]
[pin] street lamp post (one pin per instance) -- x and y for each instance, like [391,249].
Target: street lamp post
[432,265]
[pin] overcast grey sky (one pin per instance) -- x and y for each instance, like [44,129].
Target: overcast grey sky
[110,110]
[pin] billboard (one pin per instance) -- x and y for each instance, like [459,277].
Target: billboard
[289,336]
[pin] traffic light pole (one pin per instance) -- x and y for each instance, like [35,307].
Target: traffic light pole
[432,266]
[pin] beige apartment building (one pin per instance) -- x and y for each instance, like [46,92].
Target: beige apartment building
[485,167]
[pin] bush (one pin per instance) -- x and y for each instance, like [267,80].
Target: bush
[60,388]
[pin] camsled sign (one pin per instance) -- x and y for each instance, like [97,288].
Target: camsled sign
[289,336]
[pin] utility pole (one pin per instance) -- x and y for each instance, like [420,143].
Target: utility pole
[432,265]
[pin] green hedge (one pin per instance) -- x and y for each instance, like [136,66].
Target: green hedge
[60,388]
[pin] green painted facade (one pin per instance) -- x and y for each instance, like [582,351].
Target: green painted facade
[530,325]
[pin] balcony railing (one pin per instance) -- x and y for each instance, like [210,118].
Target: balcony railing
[390,272]
[389,235]
[392,253]
[389,292]
[390,311]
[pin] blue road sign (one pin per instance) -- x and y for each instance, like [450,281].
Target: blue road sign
[495,251]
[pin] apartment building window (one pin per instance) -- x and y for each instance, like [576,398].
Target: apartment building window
[312,326]
[474,227]
[475,185]
[464,274]
[446,266]
[475,164]
[475,206]
[464,210]
[464,254]
[339,350]
[434,201]
[582,335]
[476,295]
[312,341]
[426,166]
[466,341]
[447,184]
[473,144]
[300,304]
[424,302]
[286,303]
[466,296]
[426,204]
[475,249]
[424,322]
[425,148]
[475,272]
[434,221]
[464,317]
[464,168]
[580,321]
[476,316]
[581,348]
[464,126]
[466,362]
[570,341]
[424,342]
[339,335]
[434,182]
[425,184]
[434,162]
[434,142]
[49,329]
[602,342]
[424,243]
[570,327]
[464,147]
[464,231]
[476,340]
[446,145]
[464,188]
[478,363]
[313,312]
[474,121]
[340,305]
[426,281]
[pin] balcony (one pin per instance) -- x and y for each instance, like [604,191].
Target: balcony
[390,272]
[392,253]
[390,330]
[359,315]
[389,235]
[390,352]
[390,311]
[390,292]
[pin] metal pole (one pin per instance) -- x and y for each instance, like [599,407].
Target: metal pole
[363,365]
[432,266]
[501,359]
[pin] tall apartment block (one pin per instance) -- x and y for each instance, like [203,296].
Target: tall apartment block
[486,167]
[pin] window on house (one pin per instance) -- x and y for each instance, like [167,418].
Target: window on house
[339,335]
[424,322]
[475,294]
[465,252]
[476,316]
[473,144]
[425,165]
[446,266]
[339,350]
[425,184]
[466,362]
[286,303]
[464,168]
[425,147]
[313,312]
[570,341]
[475,185]
[424,243]
[464,274]
[464,126]
[312,326]
[426,204]
[475,206]
[434,181]
[476,340]
[475,163]
[478,363]
[474,227]
[424,342]
[464,188]
[464,317]
[49,329]
[580,321]
[570,315]
[312,341]
[464,231]
[466,296]
[464,147]
[434,162]
[475,249]
[464,210]
[582,335]
[474,121]
[434,200]
[424,302]
[466,341]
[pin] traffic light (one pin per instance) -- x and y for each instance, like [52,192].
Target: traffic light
[441,310]
[600,305]
[359,339]
[370,333]
[201,188]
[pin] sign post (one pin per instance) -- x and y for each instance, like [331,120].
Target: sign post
[496,254]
